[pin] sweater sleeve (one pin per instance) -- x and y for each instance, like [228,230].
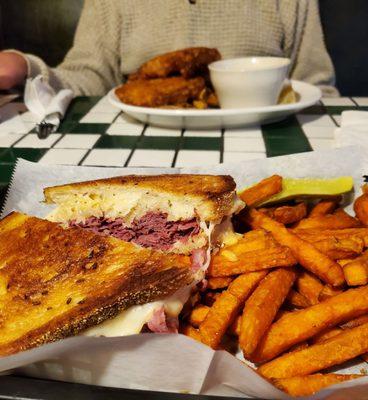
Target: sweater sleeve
[312,61]
[92,66]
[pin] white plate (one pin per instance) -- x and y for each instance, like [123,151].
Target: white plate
[210,119]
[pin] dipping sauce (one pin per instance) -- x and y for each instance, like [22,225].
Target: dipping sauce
[248,81]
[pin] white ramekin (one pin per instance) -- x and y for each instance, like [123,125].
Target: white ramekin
[248,81]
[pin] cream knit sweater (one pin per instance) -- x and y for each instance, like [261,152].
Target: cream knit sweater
[114,37]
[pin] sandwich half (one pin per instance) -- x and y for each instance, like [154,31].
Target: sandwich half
[57,282]
[173,213]
[180,214]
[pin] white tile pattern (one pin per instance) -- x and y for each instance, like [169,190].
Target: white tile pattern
[77,141]
[194,158]
[63,156]
[152,158]
[33,141]
[107,157]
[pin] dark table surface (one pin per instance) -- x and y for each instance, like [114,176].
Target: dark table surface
[22,388]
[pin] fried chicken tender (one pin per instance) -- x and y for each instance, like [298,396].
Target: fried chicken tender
[187,63]
[174,91]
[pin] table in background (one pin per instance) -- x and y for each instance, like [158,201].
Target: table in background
[93,133]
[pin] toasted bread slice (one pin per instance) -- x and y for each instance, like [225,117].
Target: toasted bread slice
[209,197]
[56,282]
[174,213]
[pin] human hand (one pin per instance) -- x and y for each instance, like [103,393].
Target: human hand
[13,70]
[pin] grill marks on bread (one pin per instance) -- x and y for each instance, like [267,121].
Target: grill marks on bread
[55,282]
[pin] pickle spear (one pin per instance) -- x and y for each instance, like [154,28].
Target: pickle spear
[311,187]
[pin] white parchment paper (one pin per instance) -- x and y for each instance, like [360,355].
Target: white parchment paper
[172,363]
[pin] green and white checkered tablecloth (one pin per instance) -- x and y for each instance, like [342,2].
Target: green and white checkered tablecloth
[94,133]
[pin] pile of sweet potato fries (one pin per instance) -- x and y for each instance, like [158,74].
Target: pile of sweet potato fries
[291,291]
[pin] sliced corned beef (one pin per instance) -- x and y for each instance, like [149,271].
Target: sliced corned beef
[152,230]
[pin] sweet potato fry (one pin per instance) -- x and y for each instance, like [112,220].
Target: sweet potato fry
[309,286]
[325,207]
[329,291]
[227,306]
[198,315]
[315,235]
[218,283]
[331,332]
[356,271]
[250,241]
[262,191]
[355,322]
[234,328]
[343,347]
[338,248]
[299,346]
[336,244]
[339,220]
[344,261]
[327,334]
[304,324]
[310,384]
[290,214]
[228,264]
[361,207]
[306,254]
[253,240]
[221,315]
[244,284]
[261,308]
[188,330]
[286,214]
[297,300]
[320,234]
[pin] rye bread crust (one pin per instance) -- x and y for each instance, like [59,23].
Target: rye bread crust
[218,190]
[61,282]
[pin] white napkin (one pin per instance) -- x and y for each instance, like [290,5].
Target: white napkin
[353,130]
[42,100]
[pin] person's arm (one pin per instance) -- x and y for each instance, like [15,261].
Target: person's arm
[13,70]
[92,66]
[312,61]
